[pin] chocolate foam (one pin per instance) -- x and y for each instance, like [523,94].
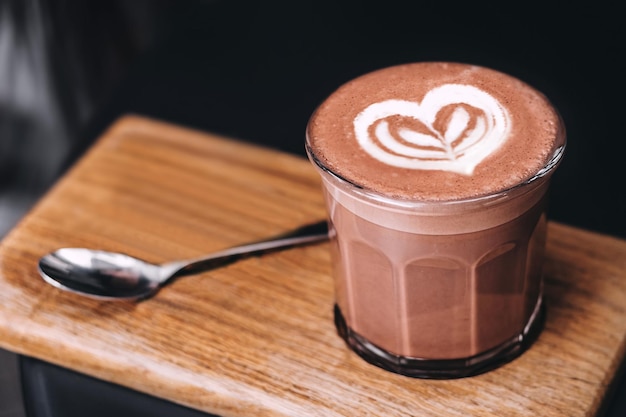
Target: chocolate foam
[435,132]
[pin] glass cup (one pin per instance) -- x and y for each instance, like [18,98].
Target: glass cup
[438,289]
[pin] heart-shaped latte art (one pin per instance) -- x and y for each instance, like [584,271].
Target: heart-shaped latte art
[454,128]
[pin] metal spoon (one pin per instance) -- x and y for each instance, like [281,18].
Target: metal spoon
[115,276]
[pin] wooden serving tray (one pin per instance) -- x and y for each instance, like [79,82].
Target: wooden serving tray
[256,338]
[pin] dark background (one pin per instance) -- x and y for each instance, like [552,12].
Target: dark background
[256,70]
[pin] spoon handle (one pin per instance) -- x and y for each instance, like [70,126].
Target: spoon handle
[312,233]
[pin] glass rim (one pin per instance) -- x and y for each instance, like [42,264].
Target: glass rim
[368,193]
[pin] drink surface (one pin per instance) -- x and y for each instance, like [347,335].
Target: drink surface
[435,132]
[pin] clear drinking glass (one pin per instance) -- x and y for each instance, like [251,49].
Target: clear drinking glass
[438,289]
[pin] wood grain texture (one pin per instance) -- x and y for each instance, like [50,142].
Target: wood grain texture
[256,338]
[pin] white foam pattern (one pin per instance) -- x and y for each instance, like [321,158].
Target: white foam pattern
[475,126]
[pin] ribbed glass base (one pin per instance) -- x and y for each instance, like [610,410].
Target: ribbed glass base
[442,368]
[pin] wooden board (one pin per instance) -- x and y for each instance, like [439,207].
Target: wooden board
[256,338]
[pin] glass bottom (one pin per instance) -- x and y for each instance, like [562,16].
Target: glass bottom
[442,368]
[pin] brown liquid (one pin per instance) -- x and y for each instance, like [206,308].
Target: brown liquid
[438,296]
[437,274]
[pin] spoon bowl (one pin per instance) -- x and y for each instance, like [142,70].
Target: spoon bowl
[116,276]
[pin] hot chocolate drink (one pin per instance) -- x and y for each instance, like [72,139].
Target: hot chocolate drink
[435,176]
